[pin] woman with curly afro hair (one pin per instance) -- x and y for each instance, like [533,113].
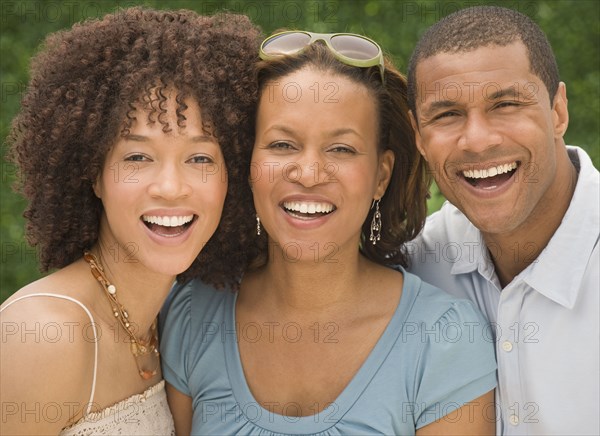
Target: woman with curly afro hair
[133,145]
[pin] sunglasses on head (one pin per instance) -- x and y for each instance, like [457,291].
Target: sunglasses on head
[349,48]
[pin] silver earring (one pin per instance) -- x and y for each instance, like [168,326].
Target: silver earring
[375,224]
[257,225]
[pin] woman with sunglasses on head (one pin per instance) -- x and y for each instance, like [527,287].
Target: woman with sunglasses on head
[328,334]
[129,143]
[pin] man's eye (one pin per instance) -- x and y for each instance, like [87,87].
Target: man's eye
[510,103]
[445,115]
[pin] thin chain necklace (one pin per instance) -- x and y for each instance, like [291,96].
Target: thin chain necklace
[138,347]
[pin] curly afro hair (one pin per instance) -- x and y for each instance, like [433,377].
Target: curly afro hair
[84,85]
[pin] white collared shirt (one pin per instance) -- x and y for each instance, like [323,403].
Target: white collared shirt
[545,321]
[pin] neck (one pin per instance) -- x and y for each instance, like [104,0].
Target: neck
[514,251]
[141,292]
[311,286]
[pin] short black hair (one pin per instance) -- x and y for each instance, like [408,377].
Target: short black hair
[480,26]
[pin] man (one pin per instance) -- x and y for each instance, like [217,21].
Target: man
[519,235]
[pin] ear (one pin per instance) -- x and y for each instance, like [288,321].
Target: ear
[560,112]
[386,167]
[97,187]
[415,126]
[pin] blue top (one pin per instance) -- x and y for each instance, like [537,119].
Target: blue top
[433,357]
[546,320]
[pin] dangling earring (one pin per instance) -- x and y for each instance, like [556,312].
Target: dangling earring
[375,224]
[257,225]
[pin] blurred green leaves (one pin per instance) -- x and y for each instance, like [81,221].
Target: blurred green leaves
[573,28]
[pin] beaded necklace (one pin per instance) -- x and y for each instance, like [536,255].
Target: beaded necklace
[138,347]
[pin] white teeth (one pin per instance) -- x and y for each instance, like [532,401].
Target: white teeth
[489,172]
[168,221]
[308,207]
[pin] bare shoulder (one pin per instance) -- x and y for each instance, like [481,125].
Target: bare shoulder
[48,310]
[47,360]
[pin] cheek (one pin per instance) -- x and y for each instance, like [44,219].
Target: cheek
[263,176]
[214,189]
[261,188]
[117,192]
[530,132]
[433,144]
[367,173]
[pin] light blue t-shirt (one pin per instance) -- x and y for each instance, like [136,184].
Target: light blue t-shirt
[433,357]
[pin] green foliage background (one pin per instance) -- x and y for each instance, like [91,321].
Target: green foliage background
[573,28]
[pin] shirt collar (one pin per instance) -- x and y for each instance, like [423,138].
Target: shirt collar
[558,271]
[479,260]
[570,246]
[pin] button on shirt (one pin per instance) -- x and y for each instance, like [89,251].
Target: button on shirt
[545,322]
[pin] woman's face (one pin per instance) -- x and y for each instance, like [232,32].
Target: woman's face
[162,192]
[315,166]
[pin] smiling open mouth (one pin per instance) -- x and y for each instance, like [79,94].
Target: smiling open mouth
[490,178]
[308,209]
[168,226]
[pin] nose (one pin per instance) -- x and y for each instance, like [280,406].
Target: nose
[310,169]
[478,134]
[170,182]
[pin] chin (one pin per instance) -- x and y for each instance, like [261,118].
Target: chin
[494,225]
[170,267]
[316,250]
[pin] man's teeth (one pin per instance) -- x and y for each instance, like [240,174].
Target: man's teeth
[168,221]
[308,207]
[489,172]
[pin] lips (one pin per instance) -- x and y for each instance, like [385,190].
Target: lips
[307,210]
[168,226]
[491,177]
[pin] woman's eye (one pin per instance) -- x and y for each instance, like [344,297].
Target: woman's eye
[342,149]
[200,159]
[280,145]
[137,158]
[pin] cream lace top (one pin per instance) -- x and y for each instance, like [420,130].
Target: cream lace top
[142,414]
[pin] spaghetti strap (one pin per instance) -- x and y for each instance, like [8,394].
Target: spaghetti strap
[89,314]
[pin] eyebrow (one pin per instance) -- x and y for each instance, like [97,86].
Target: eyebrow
[142,138]
[337,132]
[501,93]
[281,128]
[438,105]
[506,92]
[136,138]
[344,131]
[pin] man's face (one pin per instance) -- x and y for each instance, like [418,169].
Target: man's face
[486,127]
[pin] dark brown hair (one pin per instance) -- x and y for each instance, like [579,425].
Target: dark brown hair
[403,207]
[480,26]
[85,84]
